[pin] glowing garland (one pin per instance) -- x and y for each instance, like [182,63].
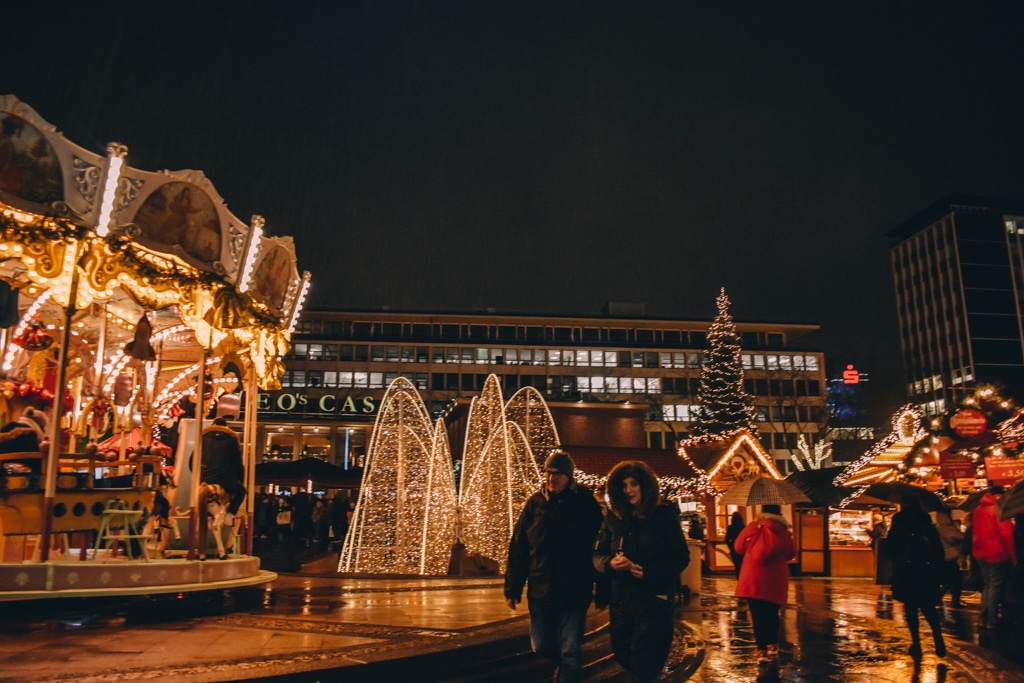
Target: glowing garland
[900,422]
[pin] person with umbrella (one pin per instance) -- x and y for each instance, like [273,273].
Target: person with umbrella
[766,546]
[917,566]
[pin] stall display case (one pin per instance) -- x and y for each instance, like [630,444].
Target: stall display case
[850,543]
[850,527]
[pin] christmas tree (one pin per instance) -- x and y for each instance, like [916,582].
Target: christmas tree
[724,407]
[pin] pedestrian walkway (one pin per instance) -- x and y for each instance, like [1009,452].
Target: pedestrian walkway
[843,630]
[310,628]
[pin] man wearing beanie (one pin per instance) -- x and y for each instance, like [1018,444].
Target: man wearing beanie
[550,551]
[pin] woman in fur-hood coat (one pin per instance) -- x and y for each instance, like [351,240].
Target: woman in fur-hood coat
[642,549]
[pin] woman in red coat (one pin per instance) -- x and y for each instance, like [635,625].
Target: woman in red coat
[767,547]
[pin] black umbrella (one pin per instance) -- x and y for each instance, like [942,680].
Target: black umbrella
[970,502]
[895,492]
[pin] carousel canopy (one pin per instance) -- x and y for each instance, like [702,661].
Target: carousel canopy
[147,271]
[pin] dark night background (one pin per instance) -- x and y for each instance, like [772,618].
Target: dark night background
[551,157]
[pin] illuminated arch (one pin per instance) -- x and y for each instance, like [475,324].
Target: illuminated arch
[388,528]
[528,409]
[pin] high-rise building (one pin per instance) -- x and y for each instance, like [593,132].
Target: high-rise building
[958,268]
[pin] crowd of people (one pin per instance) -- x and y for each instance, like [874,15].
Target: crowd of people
[301,520]
[932,555]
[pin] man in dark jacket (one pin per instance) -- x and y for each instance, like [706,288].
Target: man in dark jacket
[551,547]
[222,463]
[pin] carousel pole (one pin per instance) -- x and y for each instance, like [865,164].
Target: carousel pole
[53,456]
[197,463]
[251,398]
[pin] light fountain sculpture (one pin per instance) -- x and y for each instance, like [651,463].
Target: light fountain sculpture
[528,409]
[499,473]
[409,517]
[404,522]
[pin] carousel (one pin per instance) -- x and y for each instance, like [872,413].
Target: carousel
[134,310]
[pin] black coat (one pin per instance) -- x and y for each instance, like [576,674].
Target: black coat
[915,547]
[222,457]
[641,609]
[656,543]
[551,547]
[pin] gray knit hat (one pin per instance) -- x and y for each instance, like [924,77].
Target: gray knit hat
[560,460]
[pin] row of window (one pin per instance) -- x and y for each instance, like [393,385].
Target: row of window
[511,333]
[688,413]
[520,356]
[560,385]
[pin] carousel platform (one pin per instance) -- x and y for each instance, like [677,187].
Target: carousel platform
[108,578]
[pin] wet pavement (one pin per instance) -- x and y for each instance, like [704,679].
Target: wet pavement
[848,630]
[310,628]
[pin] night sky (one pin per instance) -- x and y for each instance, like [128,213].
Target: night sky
[551,157]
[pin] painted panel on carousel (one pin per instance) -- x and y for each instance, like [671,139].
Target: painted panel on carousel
[275,279]
[180,213]
[40,170]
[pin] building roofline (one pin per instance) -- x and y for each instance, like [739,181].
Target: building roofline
[955,202]
[794,328]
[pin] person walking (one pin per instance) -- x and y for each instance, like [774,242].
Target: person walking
[767,546]
[732,532]
[994,551]
[642,548]
[917,570]
[550,552]
[952,549]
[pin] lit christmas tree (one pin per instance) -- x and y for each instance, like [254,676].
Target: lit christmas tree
[724,407]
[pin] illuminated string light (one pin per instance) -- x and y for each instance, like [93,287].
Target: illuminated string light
[22,326]
[300,300]
[252,252]
[906,431]
[404,521]
[115,160]
[499,474]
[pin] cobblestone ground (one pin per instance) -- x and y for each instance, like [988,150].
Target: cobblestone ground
[845,630]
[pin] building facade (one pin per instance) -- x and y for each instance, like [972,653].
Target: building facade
[609,381]
[958,269]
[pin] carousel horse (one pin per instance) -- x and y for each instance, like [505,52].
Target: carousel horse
[213,507]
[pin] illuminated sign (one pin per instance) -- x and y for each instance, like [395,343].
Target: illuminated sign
[850,375]
[968,422]
[1003,470]
[326,404]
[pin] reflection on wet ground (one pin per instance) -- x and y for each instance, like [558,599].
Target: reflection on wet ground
[833,630]
[847,630]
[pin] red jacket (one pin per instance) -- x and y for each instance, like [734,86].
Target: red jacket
[767,547]
[992,540]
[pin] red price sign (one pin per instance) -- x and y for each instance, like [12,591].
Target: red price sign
[1002,470]
[955,467]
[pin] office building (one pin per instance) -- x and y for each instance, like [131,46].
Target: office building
[958,268]
[610,382]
